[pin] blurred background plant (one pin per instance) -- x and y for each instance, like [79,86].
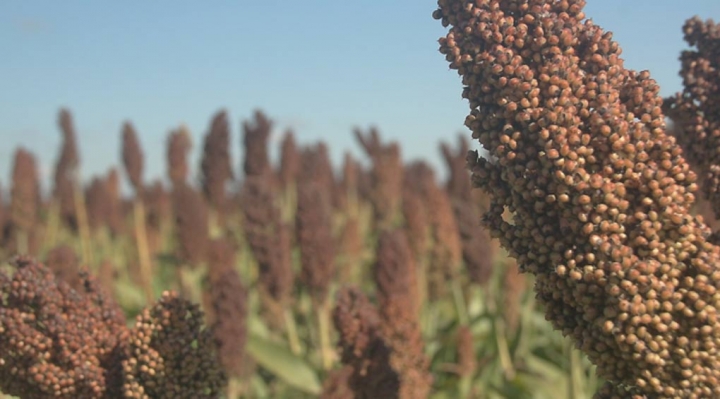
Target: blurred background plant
[268,255]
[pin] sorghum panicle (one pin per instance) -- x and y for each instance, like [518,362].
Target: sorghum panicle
[588,192]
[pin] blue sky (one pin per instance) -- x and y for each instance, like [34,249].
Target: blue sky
[320,67]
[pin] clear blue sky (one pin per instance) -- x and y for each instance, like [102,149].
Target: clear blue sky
[320,67]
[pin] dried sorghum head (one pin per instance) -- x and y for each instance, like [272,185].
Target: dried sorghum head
[55,341]
[588,192]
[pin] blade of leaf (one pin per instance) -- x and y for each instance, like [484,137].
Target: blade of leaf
[281,362]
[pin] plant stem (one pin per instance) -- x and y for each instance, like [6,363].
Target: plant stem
[143,250]
[291,330]
[183,286]
[501,340]
[22,242]
[326,351]
[460,305]
[503,349]
[214,223]
[83,227]
[234,388]
[575,385]
[53,222]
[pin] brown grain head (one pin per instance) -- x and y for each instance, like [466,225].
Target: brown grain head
[67,169]
[256,134]
[179,144]
[289,161]
[314,237]
[216,166]
[588,192]
[132,157]
[229,304]
[191,224]
[25,191]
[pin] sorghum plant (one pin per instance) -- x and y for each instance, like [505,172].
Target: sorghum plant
[598,195]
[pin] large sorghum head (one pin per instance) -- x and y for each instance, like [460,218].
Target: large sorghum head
[178,146]
[25,191]
[132,156]
[170,354]
[215,166]
[55,341]
[588,193]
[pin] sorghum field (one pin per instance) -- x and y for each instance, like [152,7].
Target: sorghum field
[574,259]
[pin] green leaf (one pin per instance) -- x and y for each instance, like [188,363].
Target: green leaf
[281,362]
